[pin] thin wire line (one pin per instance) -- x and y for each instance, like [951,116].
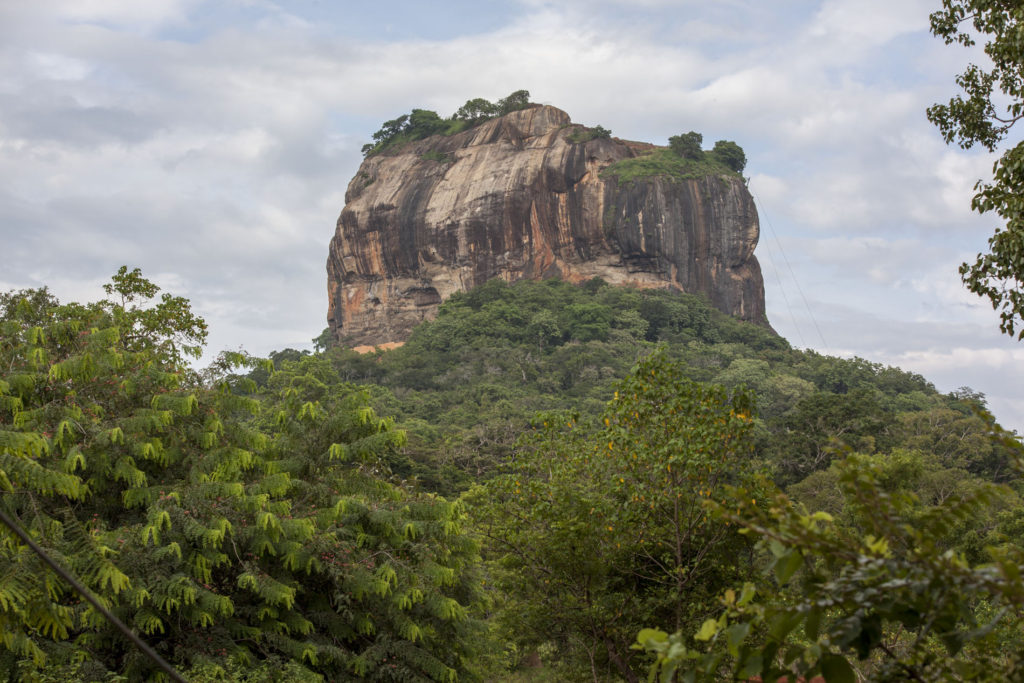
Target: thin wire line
[792,273]
[785,297]
[85,593]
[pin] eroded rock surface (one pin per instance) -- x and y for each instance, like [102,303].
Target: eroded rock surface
[515,198]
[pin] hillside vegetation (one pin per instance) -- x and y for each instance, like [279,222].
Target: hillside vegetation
[465,384]
[538,477]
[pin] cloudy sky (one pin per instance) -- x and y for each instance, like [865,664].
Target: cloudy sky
[209,142]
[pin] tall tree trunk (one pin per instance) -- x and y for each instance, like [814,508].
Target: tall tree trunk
[621,665]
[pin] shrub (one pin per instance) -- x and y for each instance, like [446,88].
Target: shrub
[422,123]
[687,145]
[583,134]
[730,154]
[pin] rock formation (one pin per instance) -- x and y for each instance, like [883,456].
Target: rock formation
[516,197]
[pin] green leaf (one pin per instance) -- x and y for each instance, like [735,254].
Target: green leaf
[786,566]
[747,594]
[812,625]
[734,636]
[751,666]
[835,669]
[782,624]
[649,637]
[707,630]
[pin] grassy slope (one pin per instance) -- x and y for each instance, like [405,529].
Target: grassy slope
[663,162]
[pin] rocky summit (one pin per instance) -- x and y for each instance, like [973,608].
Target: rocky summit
[531,195]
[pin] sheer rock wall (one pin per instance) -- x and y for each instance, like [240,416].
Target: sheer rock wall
[515,198]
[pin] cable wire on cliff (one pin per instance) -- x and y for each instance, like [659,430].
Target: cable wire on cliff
[778,243]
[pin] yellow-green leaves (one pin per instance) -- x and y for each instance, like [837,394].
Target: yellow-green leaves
[650,636]
[23,444]
[158,520]
[337,451]
[194,512]
[114,435]
[180,405]
[707,630]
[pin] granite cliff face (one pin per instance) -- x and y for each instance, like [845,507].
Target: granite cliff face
[516,198]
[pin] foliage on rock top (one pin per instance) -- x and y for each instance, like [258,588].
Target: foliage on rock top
[665,163]
[422,123]
[584,134]
[683,159]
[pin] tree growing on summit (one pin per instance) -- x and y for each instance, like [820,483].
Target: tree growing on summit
[390,129]
[422,123]
[476,110]
[687,145]
[515,101]
[730,154]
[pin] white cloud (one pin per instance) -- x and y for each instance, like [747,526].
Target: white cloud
[220,163]
[932,361]
[866,24]
[124,14]
[768,187]
[57,67]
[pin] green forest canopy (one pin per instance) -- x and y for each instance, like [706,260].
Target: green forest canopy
[466,386]
[525,500]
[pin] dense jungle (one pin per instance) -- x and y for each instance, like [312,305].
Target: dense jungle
[546,482]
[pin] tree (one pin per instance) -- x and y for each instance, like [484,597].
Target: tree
[687,145]
[389,129]
[476,110]
[223,537]
[587,321]
[423,123]
[885,594]
[520,99]
[595,530]
[543,328]
[397,575]
[323,341]
[98,412]
[992,103]
[730,154]
[816,427]
[956,439]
